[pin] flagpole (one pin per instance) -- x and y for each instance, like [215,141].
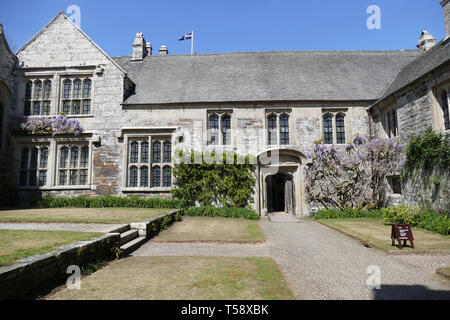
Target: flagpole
[192,43]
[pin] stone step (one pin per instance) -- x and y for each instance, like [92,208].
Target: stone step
[121,229]
[131,246]
[127,236]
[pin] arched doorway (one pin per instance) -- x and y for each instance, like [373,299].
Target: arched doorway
[279,185]
[280,193]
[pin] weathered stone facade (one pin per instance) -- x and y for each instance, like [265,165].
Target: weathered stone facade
[144,102]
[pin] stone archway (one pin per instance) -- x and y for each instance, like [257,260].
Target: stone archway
[279,182]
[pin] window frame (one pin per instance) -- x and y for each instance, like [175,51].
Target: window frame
[220,114]
[62,99]
[151,164]
[32,99]
[277,130]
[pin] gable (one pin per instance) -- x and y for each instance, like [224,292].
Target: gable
[62,44]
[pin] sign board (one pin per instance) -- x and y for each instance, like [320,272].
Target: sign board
[402,232]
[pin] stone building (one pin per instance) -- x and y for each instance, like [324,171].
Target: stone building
[137,110]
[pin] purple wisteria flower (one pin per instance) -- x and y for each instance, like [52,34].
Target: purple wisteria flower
[54,125]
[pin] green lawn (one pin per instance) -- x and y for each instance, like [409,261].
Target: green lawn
[206,229]
[375,232]
[181,278]
[81,215]
[18,244]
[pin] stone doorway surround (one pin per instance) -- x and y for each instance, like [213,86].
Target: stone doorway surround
[281,161]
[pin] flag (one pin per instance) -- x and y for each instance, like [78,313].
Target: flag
[186,37]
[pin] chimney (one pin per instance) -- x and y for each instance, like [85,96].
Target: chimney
[446,7]
[163,51]
[139,48]
[149,48]
[426,41]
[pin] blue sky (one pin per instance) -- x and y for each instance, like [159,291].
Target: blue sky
[233,25]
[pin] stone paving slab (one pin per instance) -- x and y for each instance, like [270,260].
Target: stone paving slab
[79,227]
[283,218]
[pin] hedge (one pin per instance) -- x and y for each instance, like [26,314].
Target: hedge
[224,212]
[110,202]
[422,219]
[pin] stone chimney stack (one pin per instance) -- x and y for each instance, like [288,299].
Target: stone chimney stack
[163,51]
[426,41]
[139,48]
[446,7]
[149,48]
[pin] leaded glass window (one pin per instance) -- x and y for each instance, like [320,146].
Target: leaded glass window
[144,176]
[37,89]
[284,129]
[77,96]
[156,152]
[144,152]
[213,129]
[167,155]
[73,165]
[134,152]
[145,169]
[76,89]
[33,167]
[272,129]
[328,129]
[445,110]
[340,129]
[167,177]
[156,177]
[226,130]
[37,98]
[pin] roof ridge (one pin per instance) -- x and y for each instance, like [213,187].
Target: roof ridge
[281,52]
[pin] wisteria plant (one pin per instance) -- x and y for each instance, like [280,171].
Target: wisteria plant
[54,125]
[353,178]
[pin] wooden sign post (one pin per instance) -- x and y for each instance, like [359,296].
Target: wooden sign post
[402,232]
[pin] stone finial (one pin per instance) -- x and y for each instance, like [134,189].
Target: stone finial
[149,48]
[446,7]
[426,41]
[163,51]
[139,48]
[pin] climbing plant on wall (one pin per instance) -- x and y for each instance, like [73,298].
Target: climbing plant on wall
[224,182]
[354,178]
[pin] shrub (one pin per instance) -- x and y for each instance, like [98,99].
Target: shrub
[433,222]
[225,212]
[422,219]
[399,215]
[110,202]
[347,213]
[224,184]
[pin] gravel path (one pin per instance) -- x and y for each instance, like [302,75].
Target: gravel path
[80,227]
[320,263]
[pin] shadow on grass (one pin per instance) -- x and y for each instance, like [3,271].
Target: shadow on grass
[405,292]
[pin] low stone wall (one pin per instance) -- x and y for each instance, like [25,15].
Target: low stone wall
[152,227]
[37,274]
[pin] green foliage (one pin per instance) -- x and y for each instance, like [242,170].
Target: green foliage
[428,149]
[110,202]
[431,221]
[347,213]
[422,219]
[399,215]
[225,212]
[225,184]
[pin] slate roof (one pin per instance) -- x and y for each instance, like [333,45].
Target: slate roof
[423,64]
[264,76]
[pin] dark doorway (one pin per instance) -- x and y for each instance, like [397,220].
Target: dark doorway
[280,193]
